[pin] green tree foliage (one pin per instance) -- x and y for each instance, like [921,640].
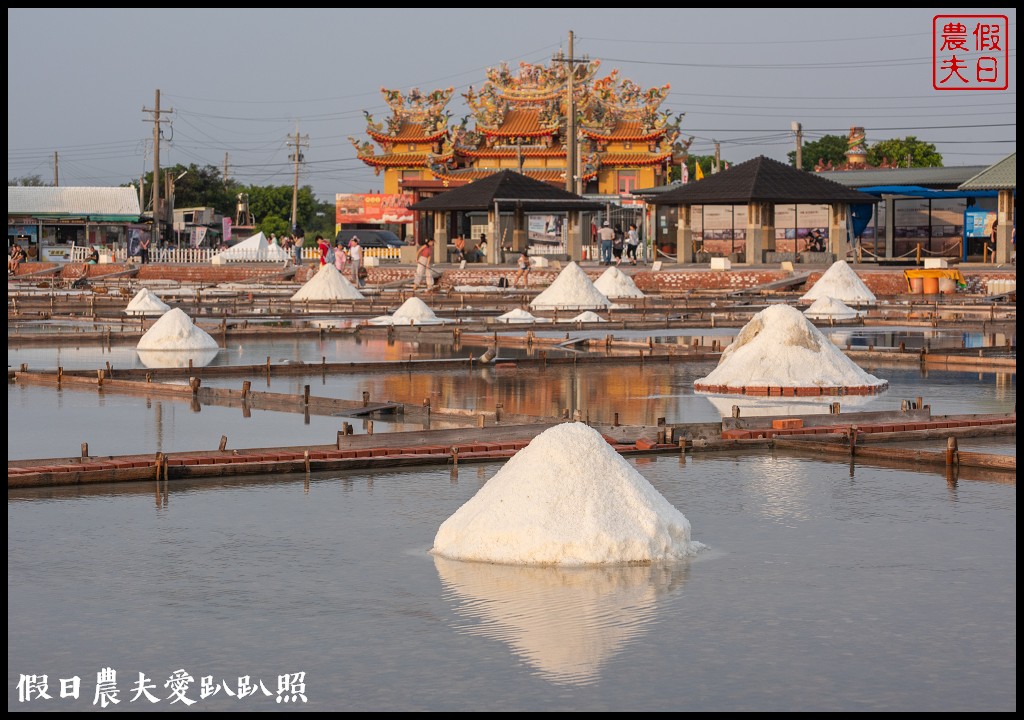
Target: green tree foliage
[27,181]
[830,148]
[908,152]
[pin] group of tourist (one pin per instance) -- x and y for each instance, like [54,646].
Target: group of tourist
[346,258]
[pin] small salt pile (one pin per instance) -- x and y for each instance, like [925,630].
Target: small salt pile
[146,302]
[588,316]
[571,289]
[519,316]
[614,283]
[412,312]
[780,347]
[176,331]
[841,283]
[825,308]
[566,499]
[328,284]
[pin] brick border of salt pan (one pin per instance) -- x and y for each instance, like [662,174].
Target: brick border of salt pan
[792,391]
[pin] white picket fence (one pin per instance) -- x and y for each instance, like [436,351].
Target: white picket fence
[204,256]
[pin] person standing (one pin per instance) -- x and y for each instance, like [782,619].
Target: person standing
[424,256]
[632,243]
[297,248]
[144,249]
[323,248]
[524,270]
[355,260]
[618,244]
[606,235]
[340,257]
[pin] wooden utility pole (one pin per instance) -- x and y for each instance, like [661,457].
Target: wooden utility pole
[297,157]
[573,181]
[157,206]
[56,173]
[798,130]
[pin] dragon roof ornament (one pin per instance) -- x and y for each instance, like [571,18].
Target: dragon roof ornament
[612,101]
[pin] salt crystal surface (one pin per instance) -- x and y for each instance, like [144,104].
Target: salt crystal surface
[146,302]
[842,283]
[328,284]
[829,307]
[614,283]
[780,347]
[571,289]
[519,316]
[412,312]
[176,331]
[587,316]
[566,499]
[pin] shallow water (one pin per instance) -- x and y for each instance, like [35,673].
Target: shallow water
[824,587]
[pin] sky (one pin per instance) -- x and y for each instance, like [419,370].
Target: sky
[240,86]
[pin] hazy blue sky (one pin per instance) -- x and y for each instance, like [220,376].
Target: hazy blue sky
[240,82]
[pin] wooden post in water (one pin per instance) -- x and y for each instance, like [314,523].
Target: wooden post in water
[366,398]
[369,427]
[305,395]
[952,452]
[223,443]
[245,389]
[85,450]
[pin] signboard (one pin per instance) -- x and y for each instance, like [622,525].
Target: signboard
[55,253]
[227,229]
[376,208]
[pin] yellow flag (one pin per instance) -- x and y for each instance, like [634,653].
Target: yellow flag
[699,174]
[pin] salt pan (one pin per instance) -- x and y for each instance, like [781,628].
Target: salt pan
[614,283]
[780,347]
[176,331]
[571,289]
[146,302]
[567,499]
[328,284]
[842,283]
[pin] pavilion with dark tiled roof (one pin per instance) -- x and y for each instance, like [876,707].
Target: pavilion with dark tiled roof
[510,192]
[760,184]
[1001,177]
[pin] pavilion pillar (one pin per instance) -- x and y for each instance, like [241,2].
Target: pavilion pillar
[1004,230]
[684,236]
[520,236]
[760,231]
[574,235]
[890,224]
[493,241]
[838,230]
[440,236]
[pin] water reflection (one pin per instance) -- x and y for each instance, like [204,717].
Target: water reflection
[565,622]
[177,358]
[762,406]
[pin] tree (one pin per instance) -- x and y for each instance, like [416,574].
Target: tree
[27,181]
[830,148]
[908,152]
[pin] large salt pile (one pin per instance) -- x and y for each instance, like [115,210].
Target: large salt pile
[176,331]
[841,283]
[826,308]
[177,358]
[571,289]
[328,284]
[614,283]
[412,312]
[146,302]
[566,499]
[780,348]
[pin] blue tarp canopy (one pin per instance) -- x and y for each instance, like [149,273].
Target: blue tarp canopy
[917,191]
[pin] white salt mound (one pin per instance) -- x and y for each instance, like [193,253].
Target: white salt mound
[780,347]
[146,302]
[566,499]
[587,316]
[328,284]
[519,316]
[614,283]
[571,289]
[841,283]
[177,358]
[829,307]
[412,312]
[176,331]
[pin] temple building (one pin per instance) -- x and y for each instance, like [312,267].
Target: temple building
[527,121]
